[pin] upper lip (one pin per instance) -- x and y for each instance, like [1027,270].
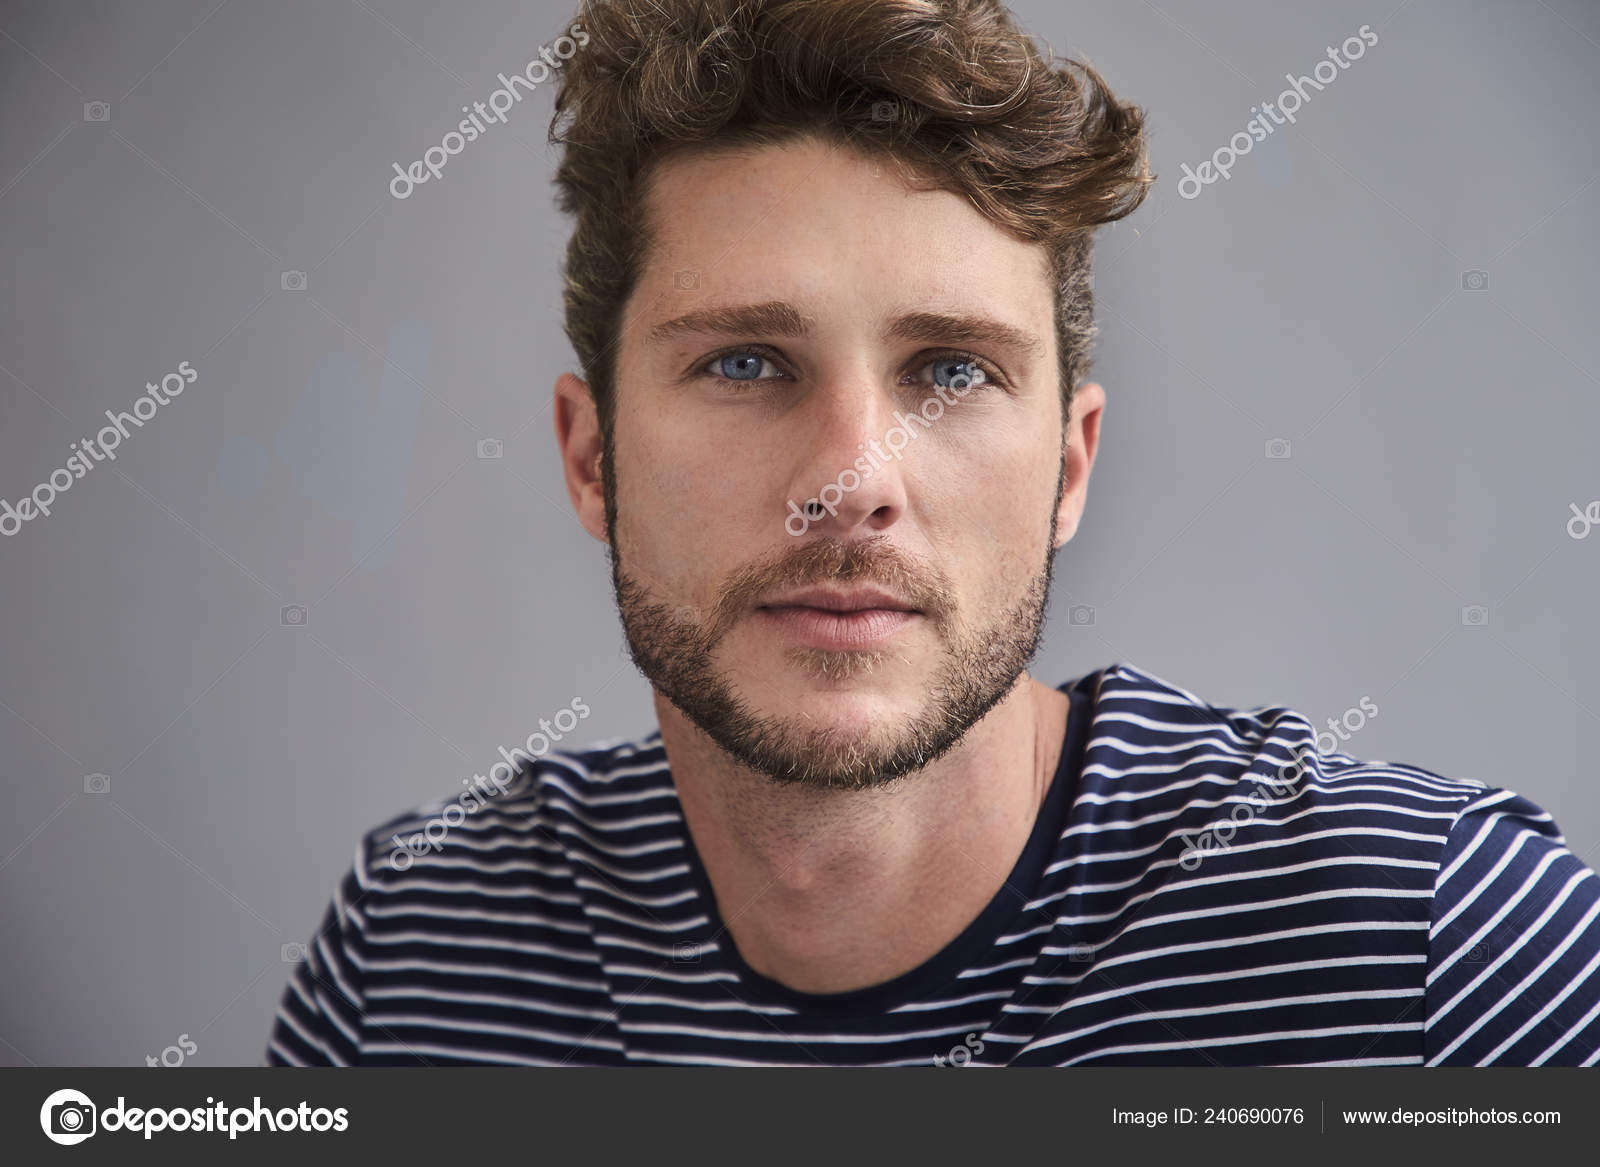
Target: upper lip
[840,600]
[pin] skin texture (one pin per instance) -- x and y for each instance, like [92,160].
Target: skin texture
[854,809]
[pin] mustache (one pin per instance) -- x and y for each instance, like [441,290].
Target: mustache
[863,561]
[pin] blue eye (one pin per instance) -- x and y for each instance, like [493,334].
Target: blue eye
[955,370]
[740,366]
[958,373]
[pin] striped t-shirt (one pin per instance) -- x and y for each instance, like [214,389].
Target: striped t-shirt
[1201,887]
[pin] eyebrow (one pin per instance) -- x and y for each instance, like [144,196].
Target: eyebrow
[780,318]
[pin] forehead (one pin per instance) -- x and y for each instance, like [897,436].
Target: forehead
[816,221]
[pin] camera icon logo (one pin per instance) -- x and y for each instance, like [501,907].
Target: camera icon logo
[1080,615]
[491,448]
[1278,448]
[96,111]
[883,111]
[67,1117]
[686,951]
[685,280]
[293,952]
[1477,954]
[292,616]
[1475,280]
[1475,616]
[97,784]
[293,281]
[1080,953]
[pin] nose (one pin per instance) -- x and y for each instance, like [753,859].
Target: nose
[848,474]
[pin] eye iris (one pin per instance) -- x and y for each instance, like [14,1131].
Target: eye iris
[956,373]
[741,366]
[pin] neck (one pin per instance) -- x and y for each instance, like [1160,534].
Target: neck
[827,891]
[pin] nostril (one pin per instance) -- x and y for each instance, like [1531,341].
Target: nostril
[814,509]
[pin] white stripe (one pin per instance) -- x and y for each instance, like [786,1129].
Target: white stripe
[1525,938]
[467,943]
[479,970]
[1230,1007]
[461,997]
[1249,1039]
[1506,907]
[465,1025]
[1555,1001]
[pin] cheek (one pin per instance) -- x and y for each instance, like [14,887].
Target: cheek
[684,504]
[993,477]
[988,510]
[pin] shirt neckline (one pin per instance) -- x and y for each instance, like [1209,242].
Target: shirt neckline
[979,936]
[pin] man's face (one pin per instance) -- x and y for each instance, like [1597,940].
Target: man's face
[802,333]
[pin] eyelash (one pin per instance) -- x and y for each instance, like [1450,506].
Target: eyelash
[994,378]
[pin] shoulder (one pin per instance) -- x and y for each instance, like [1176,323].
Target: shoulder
[1267,782]
[520,818]
[1502,845]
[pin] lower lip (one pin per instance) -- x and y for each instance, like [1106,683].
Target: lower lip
[821,628]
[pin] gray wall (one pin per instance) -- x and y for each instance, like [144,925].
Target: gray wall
[326,457]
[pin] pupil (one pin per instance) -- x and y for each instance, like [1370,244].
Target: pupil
[741,365]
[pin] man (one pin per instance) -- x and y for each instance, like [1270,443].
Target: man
[829,285]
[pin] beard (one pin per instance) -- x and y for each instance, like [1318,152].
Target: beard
[675,648]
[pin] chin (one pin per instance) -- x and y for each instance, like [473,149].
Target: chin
[857,708]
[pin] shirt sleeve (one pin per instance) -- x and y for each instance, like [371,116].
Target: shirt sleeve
[319,1019]
[1513,944]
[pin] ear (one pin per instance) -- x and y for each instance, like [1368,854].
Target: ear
[1082,440]
[578,436]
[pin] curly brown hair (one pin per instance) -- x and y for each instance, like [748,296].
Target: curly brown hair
[949,90]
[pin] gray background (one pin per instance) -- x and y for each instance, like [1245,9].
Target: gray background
[327,455]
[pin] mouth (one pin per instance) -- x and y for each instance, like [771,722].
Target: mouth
[839,618]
